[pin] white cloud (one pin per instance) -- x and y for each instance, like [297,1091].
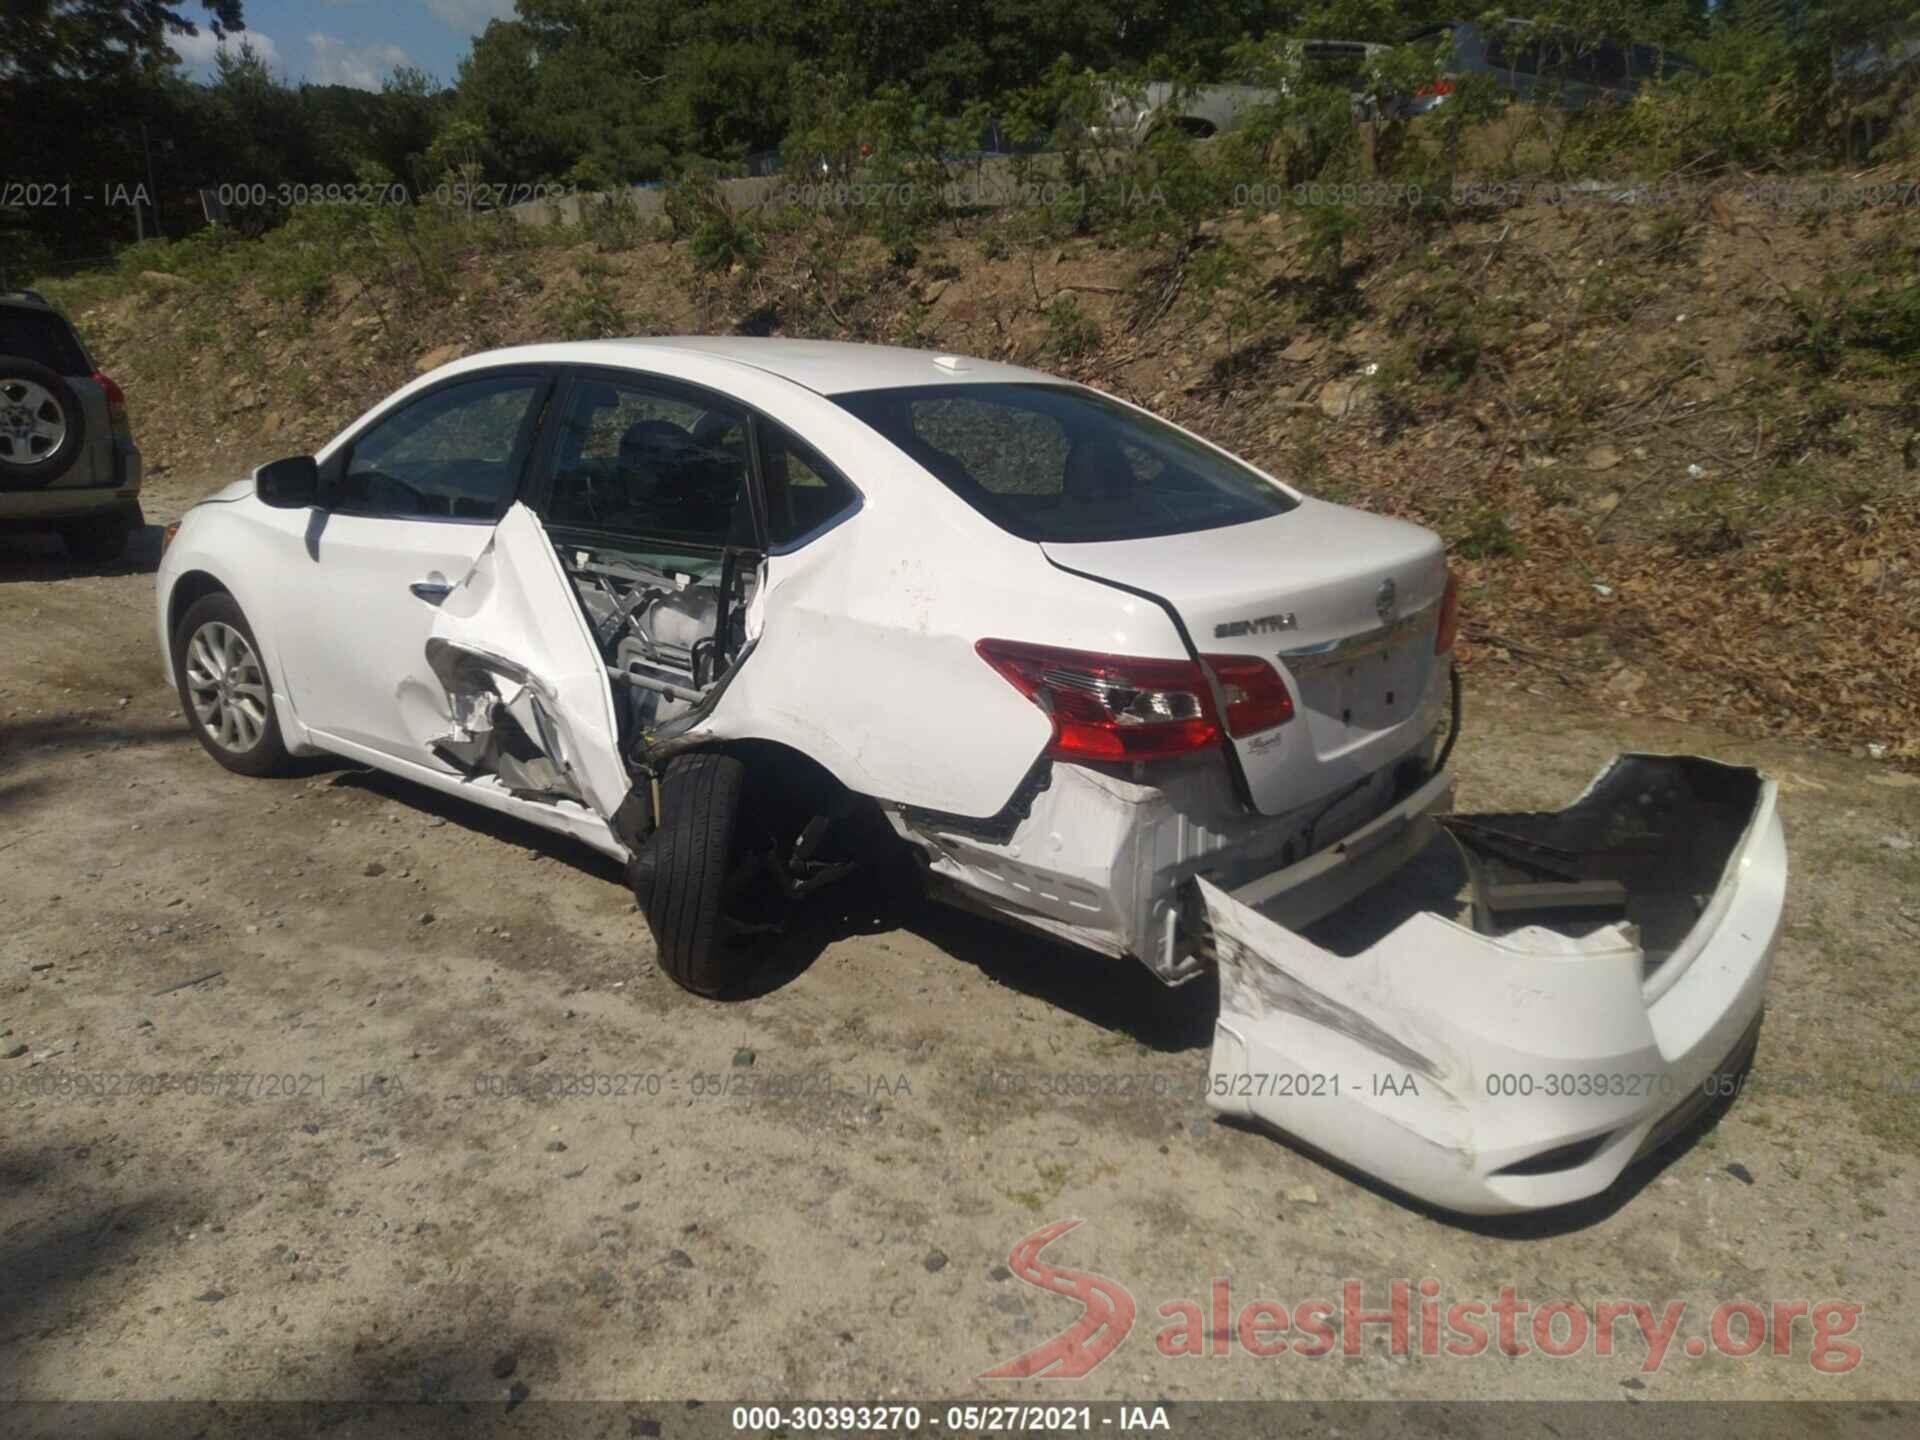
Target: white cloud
[335,62]
[197,51]
[470,17]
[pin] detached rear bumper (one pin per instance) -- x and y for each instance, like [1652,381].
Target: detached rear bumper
[1615,973]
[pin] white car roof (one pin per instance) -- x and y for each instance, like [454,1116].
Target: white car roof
[827,367]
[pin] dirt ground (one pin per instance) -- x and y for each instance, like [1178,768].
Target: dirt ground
[812,1192]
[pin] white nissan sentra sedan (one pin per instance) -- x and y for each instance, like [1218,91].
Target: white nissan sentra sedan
[749,614]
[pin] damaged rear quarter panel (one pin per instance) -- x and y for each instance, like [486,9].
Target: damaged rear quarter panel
[867,662]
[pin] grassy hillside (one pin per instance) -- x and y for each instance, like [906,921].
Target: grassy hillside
[1673,439]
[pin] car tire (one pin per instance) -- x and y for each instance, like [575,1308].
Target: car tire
[101,539]
[683,874]
[32,392]
[235,722]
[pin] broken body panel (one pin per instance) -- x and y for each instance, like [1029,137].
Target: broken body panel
[837,672]
[521,680]
[1103,860]
[1615,971]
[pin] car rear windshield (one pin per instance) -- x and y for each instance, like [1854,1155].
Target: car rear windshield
[42,337]
[1054,463]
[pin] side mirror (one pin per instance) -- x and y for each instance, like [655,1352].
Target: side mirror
[289,484]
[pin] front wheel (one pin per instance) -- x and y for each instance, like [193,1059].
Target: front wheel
[224,688]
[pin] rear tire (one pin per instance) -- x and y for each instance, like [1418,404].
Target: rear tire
[225,690]
[101,539]
[45,428]
[681,875]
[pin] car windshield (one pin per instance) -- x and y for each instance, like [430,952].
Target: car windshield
[1058,463]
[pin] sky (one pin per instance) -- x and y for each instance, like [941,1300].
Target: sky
[348,42]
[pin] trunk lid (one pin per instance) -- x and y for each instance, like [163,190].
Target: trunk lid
[1342,603]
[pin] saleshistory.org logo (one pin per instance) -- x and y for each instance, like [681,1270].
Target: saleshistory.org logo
[1415,1319]
[1103,1324]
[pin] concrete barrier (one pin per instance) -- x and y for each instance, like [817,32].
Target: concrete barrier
[986,182]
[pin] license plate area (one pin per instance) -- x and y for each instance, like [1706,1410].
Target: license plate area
[1355,690]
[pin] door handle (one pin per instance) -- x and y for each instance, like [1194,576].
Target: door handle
[432,591]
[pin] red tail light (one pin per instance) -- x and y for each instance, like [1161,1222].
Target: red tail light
[1256,696]
[1119,707]
[1448,629]
[116,400]
[1439,87]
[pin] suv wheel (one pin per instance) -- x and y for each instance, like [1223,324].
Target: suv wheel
[42,428]
[224,688]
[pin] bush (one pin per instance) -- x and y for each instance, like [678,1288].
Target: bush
[1489,537]
[1854,312]
[1070,330]
[589,311]
[886,163]
[716,235]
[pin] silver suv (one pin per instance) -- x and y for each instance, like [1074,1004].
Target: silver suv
[67,457]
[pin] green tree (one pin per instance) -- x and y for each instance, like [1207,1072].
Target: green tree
[95,40]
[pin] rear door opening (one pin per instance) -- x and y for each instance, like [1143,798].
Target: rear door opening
[583,635]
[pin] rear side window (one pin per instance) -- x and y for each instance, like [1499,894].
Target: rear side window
[1511,48]
[1333,63]
[804,493]
[42,337]
[1057,463]
[1601,63]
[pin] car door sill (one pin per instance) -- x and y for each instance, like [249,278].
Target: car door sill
[562,816]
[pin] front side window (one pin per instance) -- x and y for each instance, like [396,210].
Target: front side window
[1061,464]
[455,454]
[641,460]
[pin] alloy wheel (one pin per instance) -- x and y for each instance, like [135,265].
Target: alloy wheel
[32,423]
[227,686]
